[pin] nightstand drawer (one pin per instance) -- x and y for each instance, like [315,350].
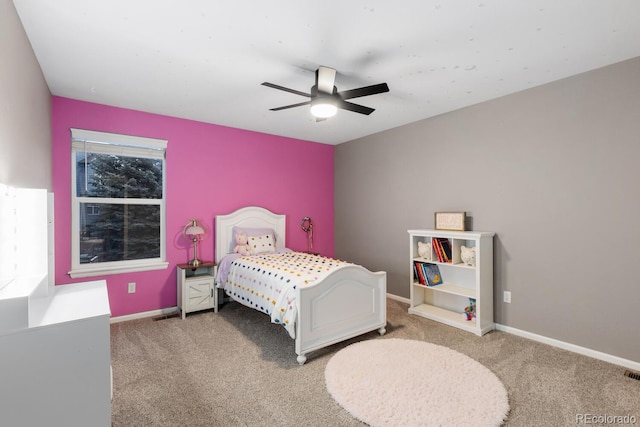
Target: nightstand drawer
[200,292]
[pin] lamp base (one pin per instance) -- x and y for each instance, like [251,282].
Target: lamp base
[195,262]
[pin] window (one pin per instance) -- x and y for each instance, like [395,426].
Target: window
[93,209]
[118,203]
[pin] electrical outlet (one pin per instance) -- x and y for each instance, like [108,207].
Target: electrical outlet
[507,297]
[132,287]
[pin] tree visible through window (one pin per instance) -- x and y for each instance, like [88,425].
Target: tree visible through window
[119,231]
[119,201]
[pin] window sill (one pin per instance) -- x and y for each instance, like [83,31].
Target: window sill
[103,271]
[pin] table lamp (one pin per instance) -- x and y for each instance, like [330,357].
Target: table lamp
[193,232]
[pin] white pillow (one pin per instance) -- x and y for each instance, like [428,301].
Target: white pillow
[251,231]
[262,244]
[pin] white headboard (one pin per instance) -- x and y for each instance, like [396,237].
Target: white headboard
[251,216]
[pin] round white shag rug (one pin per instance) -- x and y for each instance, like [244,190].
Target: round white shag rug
[398,382]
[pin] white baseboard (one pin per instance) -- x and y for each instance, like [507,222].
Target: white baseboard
[397,298]
[630,364]
[152,313]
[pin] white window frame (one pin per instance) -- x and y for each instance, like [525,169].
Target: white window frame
[111,143]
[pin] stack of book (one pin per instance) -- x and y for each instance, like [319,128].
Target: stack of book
[442,248]
[426,273]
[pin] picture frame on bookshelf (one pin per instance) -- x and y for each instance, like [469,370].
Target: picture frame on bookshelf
[451,221]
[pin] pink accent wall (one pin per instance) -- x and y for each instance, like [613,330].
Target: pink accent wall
[211,170]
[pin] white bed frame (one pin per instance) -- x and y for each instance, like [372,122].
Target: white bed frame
[349,302]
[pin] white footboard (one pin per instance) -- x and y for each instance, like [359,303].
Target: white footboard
[349,302]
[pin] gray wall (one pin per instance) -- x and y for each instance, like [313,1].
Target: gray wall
[25,108]
[554,171]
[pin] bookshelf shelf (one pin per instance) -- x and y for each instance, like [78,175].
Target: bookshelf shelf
[450,289]
[446,302]
[444,316]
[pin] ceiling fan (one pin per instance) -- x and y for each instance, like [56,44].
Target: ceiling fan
[325,98]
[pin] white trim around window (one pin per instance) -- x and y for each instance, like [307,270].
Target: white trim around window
[123,145]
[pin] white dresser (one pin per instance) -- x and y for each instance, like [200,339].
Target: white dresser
[55,351]
[56,372]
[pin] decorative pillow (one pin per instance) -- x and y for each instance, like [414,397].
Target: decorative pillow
[251,232]
[262,244]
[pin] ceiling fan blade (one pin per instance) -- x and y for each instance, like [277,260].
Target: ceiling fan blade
[354,107]
[286,89]
[364,91]
[325,79]
[300,104]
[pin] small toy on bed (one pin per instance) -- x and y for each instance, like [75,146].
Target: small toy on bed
[242,243]
[470,310]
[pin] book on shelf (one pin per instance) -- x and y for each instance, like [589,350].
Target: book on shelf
[446,248]
[443,249]
[443,257]
[418,272]
[437,249]
[432,274]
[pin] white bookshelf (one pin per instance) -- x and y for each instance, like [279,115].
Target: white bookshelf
[446,302]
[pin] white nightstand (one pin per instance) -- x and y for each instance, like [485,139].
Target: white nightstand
[196,287]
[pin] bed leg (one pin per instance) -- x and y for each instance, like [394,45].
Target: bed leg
[301,359]
[382,330]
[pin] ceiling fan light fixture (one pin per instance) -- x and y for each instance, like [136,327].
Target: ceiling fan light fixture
[325,99]
[323,108]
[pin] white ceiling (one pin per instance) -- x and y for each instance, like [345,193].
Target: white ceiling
[204,60]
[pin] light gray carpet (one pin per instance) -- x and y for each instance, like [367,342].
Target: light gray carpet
[234,368]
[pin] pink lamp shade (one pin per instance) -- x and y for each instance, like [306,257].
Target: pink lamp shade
[193,232]
[194,229]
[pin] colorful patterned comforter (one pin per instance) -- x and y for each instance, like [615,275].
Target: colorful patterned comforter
[268,282]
